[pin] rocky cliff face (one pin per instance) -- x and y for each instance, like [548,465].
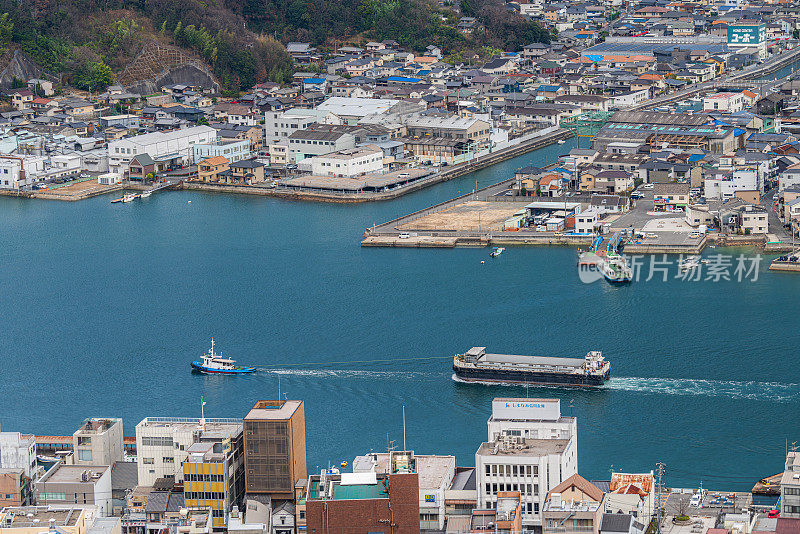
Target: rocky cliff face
[21,67]
[158,65]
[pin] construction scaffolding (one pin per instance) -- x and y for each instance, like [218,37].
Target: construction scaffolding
[586,124]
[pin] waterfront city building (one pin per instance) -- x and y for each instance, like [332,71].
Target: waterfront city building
[275,448]
[175,146]
[18,451]
[366,502]
[65,485]
[162,443]
[435,474]
[531,449]
[98,442]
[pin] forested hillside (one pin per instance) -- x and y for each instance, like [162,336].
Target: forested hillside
[88,41]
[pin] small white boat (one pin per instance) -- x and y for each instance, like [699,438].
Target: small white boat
[496,252]
[128,197]
[561,141]
[146,194]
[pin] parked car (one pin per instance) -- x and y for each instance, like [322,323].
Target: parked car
[404,236]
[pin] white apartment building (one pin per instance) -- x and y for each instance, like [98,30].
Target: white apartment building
[162,443]
[18,172]
[158,145]
[586,221]
[233,150]
[790,487]
[18,451]
[723,187]
[279,125]
[728,102]
[367,159]
[531,449]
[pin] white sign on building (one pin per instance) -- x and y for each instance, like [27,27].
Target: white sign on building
[543,409]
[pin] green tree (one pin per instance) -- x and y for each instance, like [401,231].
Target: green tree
[6,32]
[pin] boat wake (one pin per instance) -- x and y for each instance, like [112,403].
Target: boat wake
[768,391]
[345,373]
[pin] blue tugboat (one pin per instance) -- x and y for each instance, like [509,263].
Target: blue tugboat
[214,364]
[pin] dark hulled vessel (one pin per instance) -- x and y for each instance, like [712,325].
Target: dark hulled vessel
[476,365]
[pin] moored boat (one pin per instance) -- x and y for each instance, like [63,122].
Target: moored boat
[213,363]
[497,251]
[615,269]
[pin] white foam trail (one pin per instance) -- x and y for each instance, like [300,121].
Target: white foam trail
[346,373]
[769,391]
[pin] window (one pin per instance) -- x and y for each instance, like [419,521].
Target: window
[791,491]
[85,455]
[168,459]
[147,461]
[53,496]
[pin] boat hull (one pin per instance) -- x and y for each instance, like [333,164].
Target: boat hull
[200,368]
[511,376]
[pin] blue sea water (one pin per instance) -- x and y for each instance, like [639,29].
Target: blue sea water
[104,306]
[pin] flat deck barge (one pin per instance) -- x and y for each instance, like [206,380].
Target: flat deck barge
[476,365]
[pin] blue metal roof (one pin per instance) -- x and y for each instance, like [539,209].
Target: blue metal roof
[314,80]
[404,79]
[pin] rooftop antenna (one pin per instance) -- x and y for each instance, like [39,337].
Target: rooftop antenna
[404,428]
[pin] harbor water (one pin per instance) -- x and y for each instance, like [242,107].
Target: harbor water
[105,306]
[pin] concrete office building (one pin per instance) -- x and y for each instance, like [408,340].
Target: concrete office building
[366,159]
[18,451]
[174,146]
[98,442]
[435,476]
[279,125]
[531,449]
[531,418]
[275,448]
[162,443]
[65,485]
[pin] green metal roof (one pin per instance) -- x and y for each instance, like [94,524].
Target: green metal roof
[356,491]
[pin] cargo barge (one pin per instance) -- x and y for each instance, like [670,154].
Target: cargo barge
[476,365]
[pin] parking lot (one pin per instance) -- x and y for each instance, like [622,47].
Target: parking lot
[712,503]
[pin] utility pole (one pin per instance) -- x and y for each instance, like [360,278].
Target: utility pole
[660,471]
